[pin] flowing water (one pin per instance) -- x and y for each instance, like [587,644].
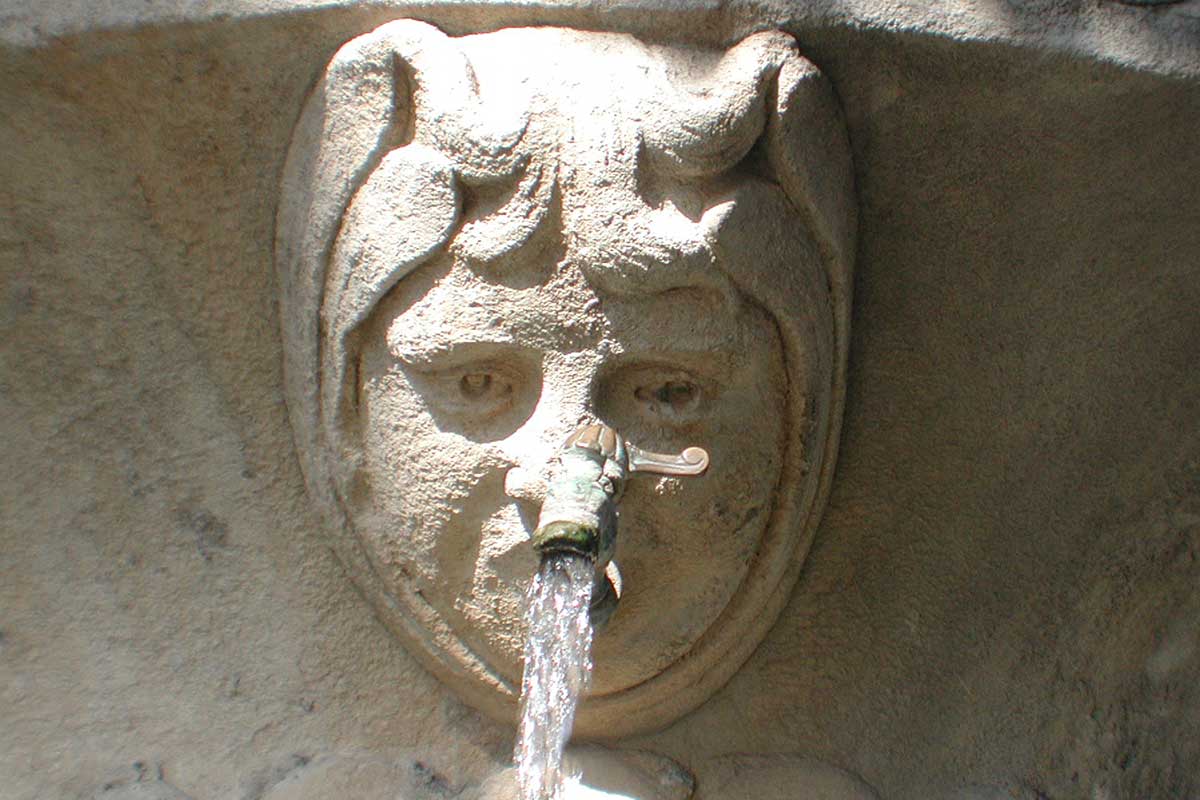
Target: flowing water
[557,667]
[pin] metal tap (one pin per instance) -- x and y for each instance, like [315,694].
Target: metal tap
[579,514]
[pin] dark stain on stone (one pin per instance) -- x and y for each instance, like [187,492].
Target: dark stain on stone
[149,783]
[210,532]
[428,779]
[20,301]
[270,777]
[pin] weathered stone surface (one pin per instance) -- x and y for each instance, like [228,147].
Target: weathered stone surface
[1161,39]
[1001,598]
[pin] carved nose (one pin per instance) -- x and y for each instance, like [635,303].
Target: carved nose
[526,485]
[533,449]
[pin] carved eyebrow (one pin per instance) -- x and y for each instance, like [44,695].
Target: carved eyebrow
[680,338]
[712,364]
[449,354]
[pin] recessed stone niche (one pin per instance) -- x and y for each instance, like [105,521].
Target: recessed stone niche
[299,301]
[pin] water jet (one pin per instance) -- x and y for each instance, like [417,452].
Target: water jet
[576,539]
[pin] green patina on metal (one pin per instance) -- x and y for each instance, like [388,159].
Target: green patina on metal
[568,537]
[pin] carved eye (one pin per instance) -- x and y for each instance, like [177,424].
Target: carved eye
[471,393]
[475,385]
[674,399]
[657,403]
[479,392]
[482,390]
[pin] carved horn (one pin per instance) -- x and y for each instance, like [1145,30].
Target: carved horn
[347,124]
[808,147]
[482,138]
[404,82]
[703,132]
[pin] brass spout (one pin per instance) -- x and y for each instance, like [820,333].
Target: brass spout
[579,514]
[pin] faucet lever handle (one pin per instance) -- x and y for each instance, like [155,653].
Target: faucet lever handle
[692,461]
[606,442]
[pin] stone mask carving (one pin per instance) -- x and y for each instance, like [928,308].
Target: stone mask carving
[483,242]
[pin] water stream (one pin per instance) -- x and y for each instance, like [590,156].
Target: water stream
[558,665]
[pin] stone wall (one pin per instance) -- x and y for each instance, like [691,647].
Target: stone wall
[1001,600]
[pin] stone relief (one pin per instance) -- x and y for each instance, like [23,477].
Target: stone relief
[484,242]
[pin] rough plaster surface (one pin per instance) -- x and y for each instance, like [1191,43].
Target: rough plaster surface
[1000,602]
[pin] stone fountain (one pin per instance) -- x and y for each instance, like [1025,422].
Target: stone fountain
[301,303]
[486,241]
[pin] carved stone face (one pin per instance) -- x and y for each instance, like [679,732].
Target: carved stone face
[469,387]
[485,242]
